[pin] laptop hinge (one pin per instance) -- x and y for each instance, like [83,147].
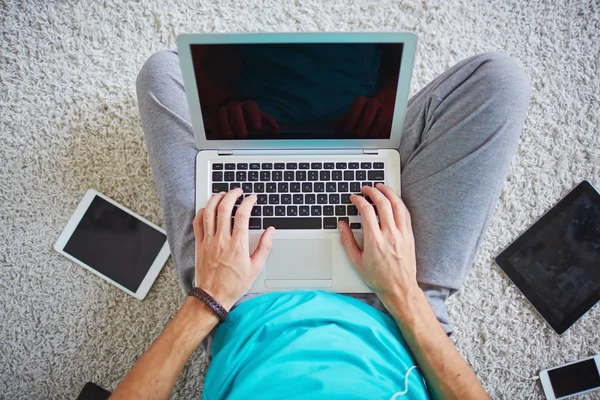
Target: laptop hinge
[225,152]
[371,151]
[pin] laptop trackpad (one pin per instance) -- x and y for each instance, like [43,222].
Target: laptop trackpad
[299,259]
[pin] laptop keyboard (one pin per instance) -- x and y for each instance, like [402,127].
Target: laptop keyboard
[299,195]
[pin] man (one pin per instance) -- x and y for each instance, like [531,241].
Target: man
[459,137]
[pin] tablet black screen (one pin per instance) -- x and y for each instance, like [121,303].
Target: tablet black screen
[115,243]
[556,263]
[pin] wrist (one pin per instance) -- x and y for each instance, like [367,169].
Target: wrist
[405,303]
[200,311]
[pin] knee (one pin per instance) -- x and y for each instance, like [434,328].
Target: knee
[503,79]
[159,66]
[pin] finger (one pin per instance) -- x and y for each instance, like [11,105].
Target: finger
[354,114]
[407,217]
[384,208]
[367,213]
[225,210]
[198,225]
[252,114]
[209,216]
[397,207]
[223,122]
[270,121]
[260,255]
[242,217]
[350,245]
[367,117]
[236,120]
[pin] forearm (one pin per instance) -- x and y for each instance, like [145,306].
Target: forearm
[156,372]
[448,375]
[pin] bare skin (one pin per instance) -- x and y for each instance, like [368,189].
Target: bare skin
[226,270]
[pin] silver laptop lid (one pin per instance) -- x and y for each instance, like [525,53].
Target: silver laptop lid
[297,90]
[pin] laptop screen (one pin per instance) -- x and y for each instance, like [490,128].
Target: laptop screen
[297,91]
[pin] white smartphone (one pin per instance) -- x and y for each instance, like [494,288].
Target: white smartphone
[571,379]
[114,243]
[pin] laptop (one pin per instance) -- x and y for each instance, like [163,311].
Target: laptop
[301,120]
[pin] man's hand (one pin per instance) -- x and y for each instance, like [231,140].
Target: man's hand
[388,262]
[234,119]
[367,118]
[224,267]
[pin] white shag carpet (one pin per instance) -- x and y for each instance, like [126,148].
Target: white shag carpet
[69,122]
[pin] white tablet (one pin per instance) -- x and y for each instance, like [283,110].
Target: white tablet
[114,243]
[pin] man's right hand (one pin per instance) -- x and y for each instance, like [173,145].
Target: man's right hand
[388,262]
[234,119]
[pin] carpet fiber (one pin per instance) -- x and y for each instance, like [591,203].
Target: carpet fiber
[69,122]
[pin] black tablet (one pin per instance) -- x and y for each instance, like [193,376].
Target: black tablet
[556,262]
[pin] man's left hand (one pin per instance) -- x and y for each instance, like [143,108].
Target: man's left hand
[224,267]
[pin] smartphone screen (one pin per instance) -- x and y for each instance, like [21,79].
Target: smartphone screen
[574,378]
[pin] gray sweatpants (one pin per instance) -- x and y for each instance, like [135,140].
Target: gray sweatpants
[459,137]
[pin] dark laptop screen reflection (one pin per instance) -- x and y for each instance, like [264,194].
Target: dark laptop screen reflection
[297,91]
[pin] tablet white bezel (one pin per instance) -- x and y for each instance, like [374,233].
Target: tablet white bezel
[67,232]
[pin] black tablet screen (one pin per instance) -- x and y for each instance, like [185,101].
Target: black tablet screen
[561,261]
[115,243]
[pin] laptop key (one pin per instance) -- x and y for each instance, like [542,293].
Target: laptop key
[295,187]
[261,199]
[240,176]
[325,175]
[298,199]
[340,210]
[254,223]
[307,187]
[353,165]
[315,211]
[336,175]
[266,166]
[229,176]
[291,165]
[367,183]
[352,210]
[256,211]
[316,165]
[292,211]
[304,211]
[282,187]
[355,187]
[267,211]
[300,175]
[259,187]
[365,165]
[378,165]
[242,166]
[341,165]
[288,176]
[286,198]
[293,223]
[217,176]
[334,198]
[348,175]
[343,187]
[220,187]
[247,187]
[377,183]
[319,187]
[265,176]
[313,175]
[321,198]
[217,167]
[253,176]
[271,187]
[355,225]
[376,175]
[309,199]
[280,211]
[277,176]
[346,198]
[279,165]
[327,210]
[273,199]
[329,223]
[361,175]
[329,165]
[304,165]
[234,185]
[345,219]
[230,166]
[254,165]
[331,187]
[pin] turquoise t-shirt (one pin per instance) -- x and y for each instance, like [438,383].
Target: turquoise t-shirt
[310,345]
